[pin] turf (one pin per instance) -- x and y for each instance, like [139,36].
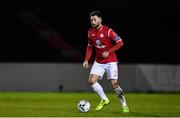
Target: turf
[65,105]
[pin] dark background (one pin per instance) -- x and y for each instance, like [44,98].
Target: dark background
[56,30]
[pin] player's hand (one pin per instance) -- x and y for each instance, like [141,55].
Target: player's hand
[86,64]
[105,54]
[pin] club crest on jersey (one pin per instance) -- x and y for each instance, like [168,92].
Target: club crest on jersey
[98,42]
[101,35]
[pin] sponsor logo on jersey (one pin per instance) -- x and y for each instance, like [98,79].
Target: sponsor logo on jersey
[102,46]
[98,42]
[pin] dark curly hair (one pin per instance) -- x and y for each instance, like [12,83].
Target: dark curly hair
[96,13]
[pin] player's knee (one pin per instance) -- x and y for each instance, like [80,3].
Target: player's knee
[115,84]
[91,81]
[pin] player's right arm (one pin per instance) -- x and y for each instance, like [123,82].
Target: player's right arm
[89,51]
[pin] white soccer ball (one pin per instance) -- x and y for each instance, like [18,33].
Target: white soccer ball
[84,106]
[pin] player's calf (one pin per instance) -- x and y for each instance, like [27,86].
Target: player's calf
[120,94]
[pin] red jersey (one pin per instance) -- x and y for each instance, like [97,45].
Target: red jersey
[103,39]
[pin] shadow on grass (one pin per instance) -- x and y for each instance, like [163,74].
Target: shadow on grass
[135,114]
[145,115]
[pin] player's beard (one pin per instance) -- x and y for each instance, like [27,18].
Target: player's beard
[95,25]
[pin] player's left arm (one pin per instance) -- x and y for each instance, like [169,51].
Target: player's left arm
[115,37]
[119,43]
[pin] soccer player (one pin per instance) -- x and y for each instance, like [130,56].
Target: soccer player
[105,42]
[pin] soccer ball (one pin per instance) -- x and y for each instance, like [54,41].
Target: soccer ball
[84,106]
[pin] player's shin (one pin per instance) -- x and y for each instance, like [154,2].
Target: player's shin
[121,96]
[99,90]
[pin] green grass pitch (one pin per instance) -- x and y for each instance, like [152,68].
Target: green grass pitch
[64,104]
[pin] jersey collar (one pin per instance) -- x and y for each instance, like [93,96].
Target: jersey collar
[100,28]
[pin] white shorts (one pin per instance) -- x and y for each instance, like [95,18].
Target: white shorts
[111,70]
